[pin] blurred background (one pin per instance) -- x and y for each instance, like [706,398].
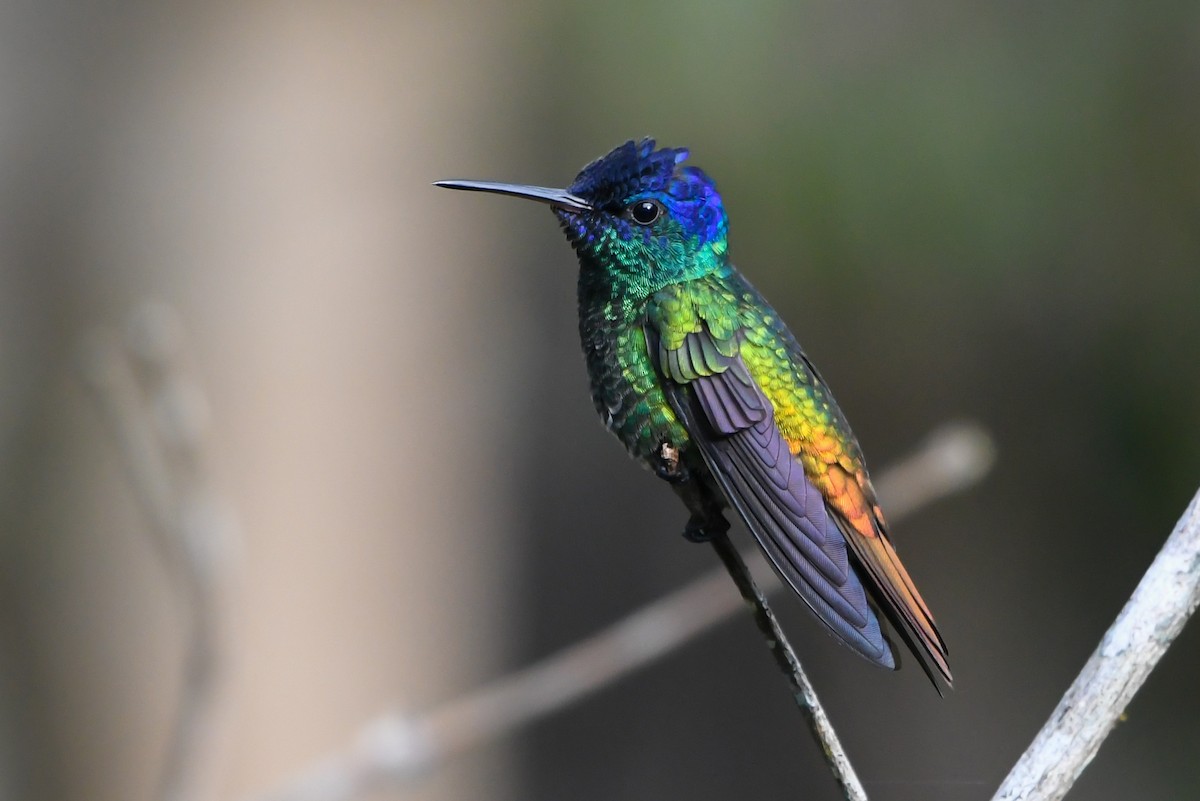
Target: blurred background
[988,211]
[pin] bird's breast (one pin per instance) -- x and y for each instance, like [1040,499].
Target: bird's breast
[626,388]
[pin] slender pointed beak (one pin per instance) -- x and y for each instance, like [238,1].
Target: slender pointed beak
[542,194]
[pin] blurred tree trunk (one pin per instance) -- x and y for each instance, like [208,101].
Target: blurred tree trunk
[265,169]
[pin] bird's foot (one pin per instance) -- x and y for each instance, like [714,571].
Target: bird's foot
[669,466]
[704,529]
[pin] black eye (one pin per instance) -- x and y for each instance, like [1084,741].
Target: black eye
[645,212]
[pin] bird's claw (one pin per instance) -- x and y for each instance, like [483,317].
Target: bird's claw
[669,467]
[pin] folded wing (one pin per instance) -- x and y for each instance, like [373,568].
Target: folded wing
[823,537]
[733,423]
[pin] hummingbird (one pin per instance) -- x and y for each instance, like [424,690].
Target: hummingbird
[697,375]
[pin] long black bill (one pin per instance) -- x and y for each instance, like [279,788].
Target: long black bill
[542,194]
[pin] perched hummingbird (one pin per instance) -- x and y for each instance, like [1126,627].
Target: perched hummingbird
[696,374]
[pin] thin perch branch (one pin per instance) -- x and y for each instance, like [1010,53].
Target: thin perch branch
[1164,600]
[395,748]
[802,689]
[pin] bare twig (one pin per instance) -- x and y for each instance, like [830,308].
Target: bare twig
[1164,600]
[802,689]
[954,456]
[157,417]
[396,748]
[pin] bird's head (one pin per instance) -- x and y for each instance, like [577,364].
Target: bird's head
[637,216]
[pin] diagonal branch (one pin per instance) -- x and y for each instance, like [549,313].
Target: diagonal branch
[1164,600]
[395,748]
[785,657]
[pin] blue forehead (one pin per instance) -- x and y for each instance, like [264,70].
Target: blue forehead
[636,170]
[630,169]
